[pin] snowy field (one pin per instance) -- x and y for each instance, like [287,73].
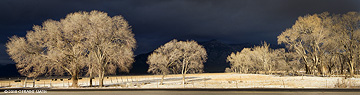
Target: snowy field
[205,80]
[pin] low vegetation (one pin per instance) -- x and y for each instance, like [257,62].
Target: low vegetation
[319,44]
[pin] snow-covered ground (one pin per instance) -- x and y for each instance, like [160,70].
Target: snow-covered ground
[205,80]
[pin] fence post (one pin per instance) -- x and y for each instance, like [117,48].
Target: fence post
[283,83]
[63,82]
[253,83]
[122,79]
[33,82]
[44,83]
[193,84]
[350,83]
[50,83]
[25,82]
[236,84]
[204,82]
[117,80]
[326,84]
[302,77]
[132,79]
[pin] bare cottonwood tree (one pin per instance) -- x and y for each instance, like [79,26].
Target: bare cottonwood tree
[186,56]
[55,47]
[110,44]
[241,62]
[165,60]
[257,58]
[347,31]
[292,61]
[192,58]
[309,37]
[279,61]
[263,54]
[82,39]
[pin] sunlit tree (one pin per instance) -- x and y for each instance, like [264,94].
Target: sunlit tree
[82,39]
[347,31]
[178,56]
[55,47]
[110,44]
[309,37]
[241,62]
[259,58]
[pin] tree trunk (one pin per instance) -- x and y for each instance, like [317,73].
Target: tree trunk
[74,79]
[342,62]
[342,68]
[162,79]
[307,69]
[101,78]
[183,72]
[183,78]
[270,70]
[351,68]
[323,70]
[351,72]
[101,81]
[91,78]
[330,70]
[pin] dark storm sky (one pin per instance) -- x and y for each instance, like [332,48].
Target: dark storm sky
[156,22]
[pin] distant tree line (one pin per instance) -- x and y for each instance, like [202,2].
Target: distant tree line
[96,44]
[319,44]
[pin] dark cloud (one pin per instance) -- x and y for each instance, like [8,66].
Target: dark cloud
[155,22]
[4,58]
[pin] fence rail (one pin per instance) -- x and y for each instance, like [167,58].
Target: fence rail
[191,82]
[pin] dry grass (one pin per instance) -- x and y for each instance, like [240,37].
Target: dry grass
[213,80]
